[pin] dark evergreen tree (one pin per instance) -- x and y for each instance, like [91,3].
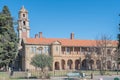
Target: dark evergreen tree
[118,55]
[6,11]
[8,38]
[119,39]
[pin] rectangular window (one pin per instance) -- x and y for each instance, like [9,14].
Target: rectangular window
[48,49]
[98,50]
[108,51]
[39,51]
[45,49]
[82,49]
[56,48]
[68,49]
[33,49]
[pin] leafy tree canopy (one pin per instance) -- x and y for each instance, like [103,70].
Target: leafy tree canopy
[42,61]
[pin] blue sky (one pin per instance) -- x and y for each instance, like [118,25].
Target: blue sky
[58,18]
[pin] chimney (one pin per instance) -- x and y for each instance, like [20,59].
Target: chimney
[36,35]
[40,34]
[72,35]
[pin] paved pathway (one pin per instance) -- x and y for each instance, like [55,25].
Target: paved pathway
[106,77]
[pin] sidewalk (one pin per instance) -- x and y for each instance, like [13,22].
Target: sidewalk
[106,77]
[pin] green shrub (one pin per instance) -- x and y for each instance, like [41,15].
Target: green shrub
[116,78]
[102,72]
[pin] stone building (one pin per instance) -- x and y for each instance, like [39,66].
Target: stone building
[68,54]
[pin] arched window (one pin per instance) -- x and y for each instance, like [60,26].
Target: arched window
[24,23]
[23,15]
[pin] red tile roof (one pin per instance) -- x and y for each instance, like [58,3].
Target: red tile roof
[64,42]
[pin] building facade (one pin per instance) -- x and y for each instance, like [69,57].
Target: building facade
[68,54]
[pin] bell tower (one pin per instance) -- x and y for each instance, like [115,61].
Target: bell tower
[23,24]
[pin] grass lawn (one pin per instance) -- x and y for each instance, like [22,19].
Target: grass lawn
[5,75]
[63,72]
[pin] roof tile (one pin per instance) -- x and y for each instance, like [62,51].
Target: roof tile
[64,42]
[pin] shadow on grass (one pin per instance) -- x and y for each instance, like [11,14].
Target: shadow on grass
[23,78]
[71,79]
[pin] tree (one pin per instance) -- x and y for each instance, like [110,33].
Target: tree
[119,39]
[118,51]
[8,39]
[103,44]
[42,61]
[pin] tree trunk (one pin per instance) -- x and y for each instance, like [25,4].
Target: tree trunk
[6,67]
[42,75]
